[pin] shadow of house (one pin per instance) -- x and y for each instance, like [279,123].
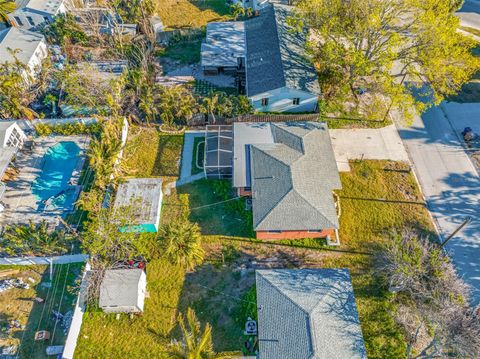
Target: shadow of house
[216,291]
[215,208]
[166,152]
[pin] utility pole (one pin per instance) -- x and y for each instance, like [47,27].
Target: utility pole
[465,222]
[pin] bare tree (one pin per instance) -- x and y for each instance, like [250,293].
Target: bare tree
[433,302]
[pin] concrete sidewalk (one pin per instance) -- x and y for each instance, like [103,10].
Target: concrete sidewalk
[451,186]
[373,144]
[187,153]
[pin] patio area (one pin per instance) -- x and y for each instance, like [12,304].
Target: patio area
[45,184]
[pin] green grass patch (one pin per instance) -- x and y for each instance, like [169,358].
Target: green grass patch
[151,153]
[222,289]
[186,51]
[198,155]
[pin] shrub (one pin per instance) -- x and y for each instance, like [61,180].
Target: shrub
[68,129]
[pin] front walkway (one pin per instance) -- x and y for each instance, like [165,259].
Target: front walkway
[369,144]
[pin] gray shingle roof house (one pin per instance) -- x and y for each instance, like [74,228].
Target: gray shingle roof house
[276,54]
[279,76]
[307,313]
[290,168]
[123,291]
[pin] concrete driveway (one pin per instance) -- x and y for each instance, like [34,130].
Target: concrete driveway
[373,144]
[451,186]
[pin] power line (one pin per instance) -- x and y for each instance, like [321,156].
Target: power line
[226,295]
[214,204]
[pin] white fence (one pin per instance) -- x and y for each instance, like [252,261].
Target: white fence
[74,330]
[25,261]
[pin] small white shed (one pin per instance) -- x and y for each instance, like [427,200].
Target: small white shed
[123,291]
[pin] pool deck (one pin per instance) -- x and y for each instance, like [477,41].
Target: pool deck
[20,203]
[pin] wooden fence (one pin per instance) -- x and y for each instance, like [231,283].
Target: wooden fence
[200,120]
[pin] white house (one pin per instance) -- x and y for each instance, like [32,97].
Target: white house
[123,291]
[11,135]
[30,48]
[278,75]
[268,58]
[33,13]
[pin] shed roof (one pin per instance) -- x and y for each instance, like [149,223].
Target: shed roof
[307,313]
[120,287]
[148,193]
[295,174]
[15,38]
[276,54]
[224,43]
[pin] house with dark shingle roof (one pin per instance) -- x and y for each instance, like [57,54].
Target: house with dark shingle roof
[307,314]
[274,71]
[290,172]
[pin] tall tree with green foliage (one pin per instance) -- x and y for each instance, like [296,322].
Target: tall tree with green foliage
[65,28]
[110,239]
[104,151]
[376,47]
[175,104]
[16,90]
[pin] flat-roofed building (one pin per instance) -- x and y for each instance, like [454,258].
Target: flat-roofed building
[144,195]
[123,291]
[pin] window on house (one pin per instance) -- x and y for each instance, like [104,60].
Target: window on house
[30,21]
[46,19]
[18,21]
[247,188]
[274,231]
[265,101]
[314,230]
[296,101]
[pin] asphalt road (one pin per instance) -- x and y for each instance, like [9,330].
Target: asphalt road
[451,186]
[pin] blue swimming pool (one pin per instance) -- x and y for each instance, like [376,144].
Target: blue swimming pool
[51,186]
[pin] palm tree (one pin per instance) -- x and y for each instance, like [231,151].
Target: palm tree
[103,153]
[6,7]
[183,243]
[33,239]
[195,344]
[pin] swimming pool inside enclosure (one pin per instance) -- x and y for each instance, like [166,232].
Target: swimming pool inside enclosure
[52,187]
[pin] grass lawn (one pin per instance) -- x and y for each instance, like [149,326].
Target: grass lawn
[151,153]
[185,51]
[198,153]
[377,198]
[18,304]
[177,14]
